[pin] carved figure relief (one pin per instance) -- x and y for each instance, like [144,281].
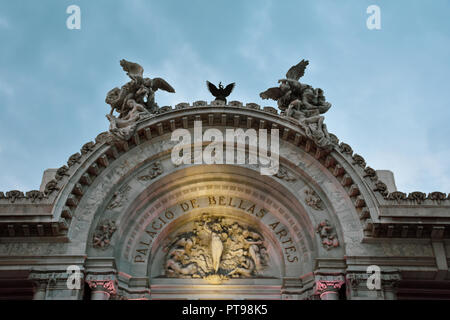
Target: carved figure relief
[313,200]
[154,171]
[216,247]
[119,198]
[284,174]
[327,234]
[103,234]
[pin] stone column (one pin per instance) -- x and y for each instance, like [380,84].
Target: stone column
[328,289]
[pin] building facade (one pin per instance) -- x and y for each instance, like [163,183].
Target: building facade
[121,220]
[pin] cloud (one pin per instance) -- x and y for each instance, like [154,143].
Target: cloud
[4,23]
[254,47]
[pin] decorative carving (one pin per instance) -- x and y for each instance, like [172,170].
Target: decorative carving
[417,196]
[61,172]
[13,195]
[284,174]
[437,196]
[397,195]
[216,249]
[87,147]
[200,103]
[51,186]
[357,159]
[324,286]
[345,148]
[107,285]
[133,101]
[303,103]
[104,137]
[34,194]
[103,234]
[154,171]
[381,188]
[371,173]
[313,200]
[327,234]
[252,105]
[235,103]
[119,198]
[73,159]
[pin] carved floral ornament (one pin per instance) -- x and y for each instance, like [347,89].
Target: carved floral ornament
[216,249]
[327,234]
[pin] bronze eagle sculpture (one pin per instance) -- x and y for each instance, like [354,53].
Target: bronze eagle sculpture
[220,93]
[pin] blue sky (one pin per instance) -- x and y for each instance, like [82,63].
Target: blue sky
[389,88]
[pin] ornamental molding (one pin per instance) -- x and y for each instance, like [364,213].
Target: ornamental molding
[96,156]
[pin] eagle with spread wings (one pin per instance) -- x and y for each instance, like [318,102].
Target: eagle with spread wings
[286,85]
[220,93]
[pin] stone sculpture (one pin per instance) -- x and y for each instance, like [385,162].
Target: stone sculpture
[133,101]
[302,103]
[327,234]
[103,234]
[216,248]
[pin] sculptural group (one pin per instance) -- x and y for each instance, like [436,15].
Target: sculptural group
[303,103]
[216,246]
[300,102]
[134,101]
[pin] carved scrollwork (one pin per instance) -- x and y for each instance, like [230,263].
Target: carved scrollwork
[381,187]
[327,235]
[74,159]
[345,148]
[397,195]
[371,173]
[35,195]
[51,186]
[357,159]
[13,195]
[437,196]
[417,196]
[87,147]
[61,172]
[200,103]
[104,137]
[216,249]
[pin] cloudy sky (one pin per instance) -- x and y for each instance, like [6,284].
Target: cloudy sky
[389,88]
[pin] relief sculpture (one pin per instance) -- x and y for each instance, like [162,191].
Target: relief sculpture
[216,248]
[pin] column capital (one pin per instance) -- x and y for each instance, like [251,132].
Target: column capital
[105,283]
[110,286]
[325,286]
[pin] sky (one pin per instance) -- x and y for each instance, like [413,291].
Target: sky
[388,88]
